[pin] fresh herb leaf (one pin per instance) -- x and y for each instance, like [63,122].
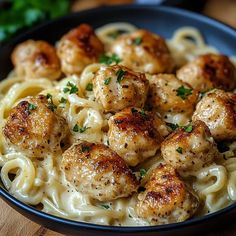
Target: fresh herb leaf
[105,206]
[120,75]
[133,110]
[179,150]
[172,125]
[51,105]
[107,81]
[31,107]
[85,148]
[183,92]
[188,128]
[130,216]
[89,87]
[143,114]
[79,129]
[63,100]
[108,60]
[71,88]
[142,172]
[138,40]
[114,34]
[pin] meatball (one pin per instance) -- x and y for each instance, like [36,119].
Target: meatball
[96,170]
[36,59]
[32,127]
[218,110]
[209,71]
[116,87]
[168,95]
[166,198]
[79,48]
[189,148]
[135,134]
[143,51]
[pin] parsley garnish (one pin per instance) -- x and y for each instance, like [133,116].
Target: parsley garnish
[51,105]
[114,34]
[63,100]
[79,129]
[179,150]
[71,88]
[89,87]
[138,40]
[31,107]
[105,206]
[142,113]
[107,81]
[133,110]
[142,172]
[188,128]
[85,148]
[104,59]
[120,75]
[183,92]
[172,125]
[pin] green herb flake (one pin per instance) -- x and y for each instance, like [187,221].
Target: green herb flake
[31,107]
[179,150]
[79,129]
[108,60]
[188,128]
[130,216]
[172,125]
[71,88]
[114,34]
[120,75]
[89,87]
[142,172]
[63,100]
[133,110]
[107,81]
[183,92]
[51,105]
[138,40]
[105,206]
[142,113]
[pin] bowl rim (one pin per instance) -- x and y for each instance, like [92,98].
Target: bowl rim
[79,224]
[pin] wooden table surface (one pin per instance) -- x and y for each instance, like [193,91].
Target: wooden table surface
[14,224]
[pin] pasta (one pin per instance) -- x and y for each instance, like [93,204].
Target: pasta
[42,182]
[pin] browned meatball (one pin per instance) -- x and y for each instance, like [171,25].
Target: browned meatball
[135,134]
[36,59]
[32,127]
[96,170]
[168,95]
[209,71]
[143,51]
[189,148]
[79,48]
[117,87]
[166,198]
[218,110]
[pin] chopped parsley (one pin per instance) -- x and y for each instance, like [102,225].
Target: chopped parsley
[114,34]
[179,150]
[89,87]
[138,40]
[107,81]
[31,107]
[120,75]
[133,110]
[79,129]
[51,105]
[188,128]
[85,148]
[183,92]
[108,60]
[105,206]
[63,100]
[70,88]
[142,172]
[142,113]
[172,125]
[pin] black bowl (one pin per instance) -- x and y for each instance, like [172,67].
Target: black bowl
[163,21]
